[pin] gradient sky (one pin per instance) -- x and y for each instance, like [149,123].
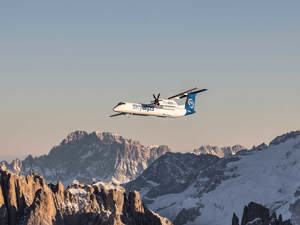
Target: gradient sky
[65,64]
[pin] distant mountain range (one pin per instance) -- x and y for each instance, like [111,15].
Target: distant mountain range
[220,152]
[195,189]
[99,156]
[91,156]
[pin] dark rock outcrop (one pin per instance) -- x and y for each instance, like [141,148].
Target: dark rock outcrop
[235,220]
[30,201]
[256,214]
[254,211]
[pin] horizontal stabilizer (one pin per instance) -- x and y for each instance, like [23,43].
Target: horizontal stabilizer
[182,93]
[194,92]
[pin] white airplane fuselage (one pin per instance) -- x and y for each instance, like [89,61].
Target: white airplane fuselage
[161,107]
[166,108]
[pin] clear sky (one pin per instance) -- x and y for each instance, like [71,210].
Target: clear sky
[65,64]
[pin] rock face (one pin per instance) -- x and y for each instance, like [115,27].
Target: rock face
[256,214]
[220,152]
[87,157]
[171,174]
[30,201]
[191,189]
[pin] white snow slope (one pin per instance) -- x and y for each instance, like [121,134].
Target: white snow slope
[270,177]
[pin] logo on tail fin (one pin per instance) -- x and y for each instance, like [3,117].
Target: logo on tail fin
[191,103]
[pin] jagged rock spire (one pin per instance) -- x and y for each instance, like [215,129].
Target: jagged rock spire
[29,201]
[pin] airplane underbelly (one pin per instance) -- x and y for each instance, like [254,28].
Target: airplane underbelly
[160,113]
[151,110]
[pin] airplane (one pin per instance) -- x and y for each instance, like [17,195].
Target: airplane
[165,108]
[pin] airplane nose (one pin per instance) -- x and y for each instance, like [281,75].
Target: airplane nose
[117,108]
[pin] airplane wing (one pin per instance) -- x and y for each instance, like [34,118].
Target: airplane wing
[118,114]
[182,94]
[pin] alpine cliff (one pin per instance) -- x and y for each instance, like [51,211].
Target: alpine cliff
[30,201]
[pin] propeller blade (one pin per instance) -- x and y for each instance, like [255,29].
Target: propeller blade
[156,99]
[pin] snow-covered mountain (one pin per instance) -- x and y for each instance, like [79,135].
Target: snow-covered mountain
[204,189]
[217,151]
[91,156]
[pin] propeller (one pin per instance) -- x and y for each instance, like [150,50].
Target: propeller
[156,99]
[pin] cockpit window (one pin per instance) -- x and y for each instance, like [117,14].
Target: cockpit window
[121,103]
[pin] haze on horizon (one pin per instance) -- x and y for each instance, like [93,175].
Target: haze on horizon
[64,66]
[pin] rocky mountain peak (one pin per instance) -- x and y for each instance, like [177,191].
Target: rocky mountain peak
[108,137]
[103,137]
[91,157]
[285,137]
[74,136]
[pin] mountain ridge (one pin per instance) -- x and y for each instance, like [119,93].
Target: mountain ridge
[90,156]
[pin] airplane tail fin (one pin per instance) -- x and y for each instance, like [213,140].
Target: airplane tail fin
[191,101]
